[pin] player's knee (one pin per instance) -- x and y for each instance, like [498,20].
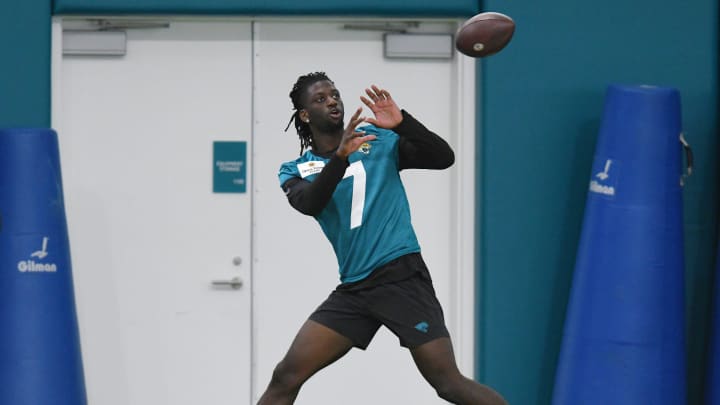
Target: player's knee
[447,392]
[457,389]
[447,386]
[287,378]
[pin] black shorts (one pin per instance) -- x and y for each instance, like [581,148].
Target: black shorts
[408,307]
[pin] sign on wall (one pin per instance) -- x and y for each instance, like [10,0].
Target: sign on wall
[229,166]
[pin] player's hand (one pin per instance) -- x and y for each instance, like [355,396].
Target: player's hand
[352,139]
[387,113]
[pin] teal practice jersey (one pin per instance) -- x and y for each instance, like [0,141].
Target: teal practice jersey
[367,220]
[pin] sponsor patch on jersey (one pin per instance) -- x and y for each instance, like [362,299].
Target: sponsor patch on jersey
[311,167]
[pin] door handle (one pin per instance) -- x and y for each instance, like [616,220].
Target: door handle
[235,283]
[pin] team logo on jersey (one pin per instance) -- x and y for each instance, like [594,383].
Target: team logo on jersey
[365,148]
[311,167]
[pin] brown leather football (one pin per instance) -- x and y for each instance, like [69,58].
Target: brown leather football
[484,34]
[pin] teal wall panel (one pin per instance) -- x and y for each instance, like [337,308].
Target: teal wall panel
[542,101]
[25,63]
[270,7]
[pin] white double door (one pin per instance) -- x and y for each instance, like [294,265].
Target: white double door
[149,235]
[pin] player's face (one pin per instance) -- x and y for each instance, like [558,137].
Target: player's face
[323,107]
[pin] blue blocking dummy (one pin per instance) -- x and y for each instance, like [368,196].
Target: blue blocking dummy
[623,342]
[40,360]
[714,372]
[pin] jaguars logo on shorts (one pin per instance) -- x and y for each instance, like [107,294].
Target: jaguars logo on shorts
[365,148]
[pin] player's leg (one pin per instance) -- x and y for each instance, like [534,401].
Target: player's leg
[411,310]
[315,347]
[436,362]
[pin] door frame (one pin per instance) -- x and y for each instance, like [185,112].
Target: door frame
[464,306]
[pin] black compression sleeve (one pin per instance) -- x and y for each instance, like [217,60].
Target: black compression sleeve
[421,148]
[310,198]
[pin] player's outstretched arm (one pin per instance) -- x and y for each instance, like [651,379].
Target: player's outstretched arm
[421,148]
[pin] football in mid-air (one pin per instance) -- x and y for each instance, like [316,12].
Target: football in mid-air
[484,34]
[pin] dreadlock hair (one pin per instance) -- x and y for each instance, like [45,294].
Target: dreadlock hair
[299,88]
